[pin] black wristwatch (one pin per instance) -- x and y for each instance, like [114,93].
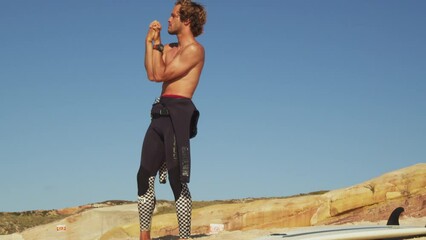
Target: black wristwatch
[159,47]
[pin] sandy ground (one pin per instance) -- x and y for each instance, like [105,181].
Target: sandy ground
[267,215]
[251,234]
[119,215]
[88,225]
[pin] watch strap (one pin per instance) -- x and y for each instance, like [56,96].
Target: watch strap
[159,47]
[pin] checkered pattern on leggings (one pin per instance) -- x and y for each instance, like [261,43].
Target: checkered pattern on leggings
[183,210]
[163,173]
[146,205]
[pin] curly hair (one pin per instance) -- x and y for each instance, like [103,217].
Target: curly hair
[195,13]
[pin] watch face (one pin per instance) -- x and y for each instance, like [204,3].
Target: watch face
[159,47]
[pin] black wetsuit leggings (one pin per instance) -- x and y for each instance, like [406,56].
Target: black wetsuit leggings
[159,151]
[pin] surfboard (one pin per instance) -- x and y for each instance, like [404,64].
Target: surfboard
[367,232]
[350,232]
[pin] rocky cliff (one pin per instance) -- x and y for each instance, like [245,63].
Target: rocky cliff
[372,201]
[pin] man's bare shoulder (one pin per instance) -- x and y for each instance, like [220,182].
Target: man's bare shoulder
[198,46]
[195,48]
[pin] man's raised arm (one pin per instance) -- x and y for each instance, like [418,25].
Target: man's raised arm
[152,35]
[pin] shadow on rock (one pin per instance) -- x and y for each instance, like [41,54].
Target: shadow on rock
[169,237]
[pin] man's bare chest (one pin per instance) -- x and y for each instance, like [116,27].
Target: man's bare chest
[170,57]
[171,54]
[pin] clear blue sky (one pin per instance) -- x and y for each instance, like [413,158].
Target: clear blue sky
[296,96]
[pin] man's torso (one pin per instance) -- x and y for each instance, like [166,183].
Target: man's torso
[184,86]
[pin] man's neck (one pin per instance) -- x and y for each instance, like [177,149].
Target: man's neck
[185,39]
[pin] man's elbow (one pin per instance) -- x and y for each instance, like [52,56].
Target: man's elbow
[151,77]
[159,78]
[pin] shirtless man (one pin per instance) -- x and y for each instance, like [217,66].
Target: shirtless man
[178,67]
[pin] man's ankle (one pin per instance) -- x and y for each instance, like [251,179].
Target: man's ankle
[145,235]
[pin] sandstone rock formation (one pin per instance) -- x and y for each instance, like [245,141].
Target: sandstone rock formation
[369,201]
[372,200]
[376,198]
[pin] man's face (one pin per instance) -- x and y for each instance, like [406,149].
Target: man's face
[174,21]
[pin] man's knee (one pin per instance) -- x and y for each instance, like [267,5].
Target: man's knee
[175,183]
[143,178]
